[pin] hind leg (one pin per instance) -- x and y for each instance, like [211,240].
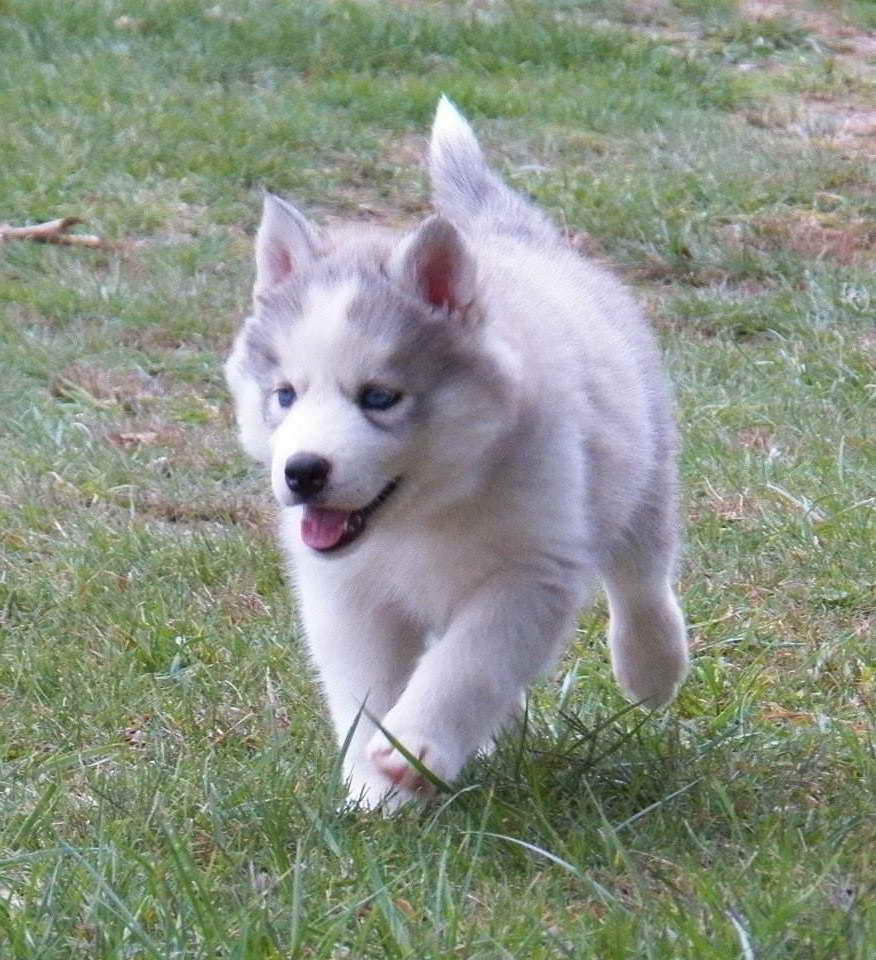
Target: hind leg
[647,635]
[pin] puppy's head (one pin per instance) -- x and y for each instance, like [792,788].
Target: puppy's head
[362,379]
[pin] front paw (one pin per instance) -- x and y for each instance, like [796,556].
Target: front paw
[368,789]
[385,778]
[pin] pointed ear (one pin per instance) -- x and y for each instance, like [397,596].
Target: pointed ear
[285,244]
[436,266]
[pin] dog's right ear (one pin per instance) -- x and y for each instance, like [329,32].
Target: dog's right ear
[286,244]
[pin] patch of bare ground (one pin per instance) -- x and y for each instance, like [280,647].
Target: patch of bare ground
[361,207]
[850,128]
[811,234]
[822,18]
[739,506]
[867,345]
[243,605]
[175,446]
[243,512]
[840,115]
[181,222]
[159,505]
[406,150]
[761,440]
[132,390]
[396,173]
[139,426]
[818,236]
[647,11]
[174,439]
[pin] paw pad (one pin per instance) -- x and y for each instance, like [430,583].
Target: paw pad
[398,770]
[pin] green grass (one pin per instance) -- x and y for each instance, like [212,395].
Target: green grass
[862,12]
[168,788]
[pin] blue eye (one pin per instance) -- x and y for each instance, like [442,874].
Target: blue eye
[378,398]
[286,396]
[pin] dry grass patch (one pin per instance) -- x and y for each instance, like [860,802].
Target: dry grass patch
[841,122]
[132,389]
[834,102]
[825,18]
[761,440]
[206,509]
[817,236]
[867,344]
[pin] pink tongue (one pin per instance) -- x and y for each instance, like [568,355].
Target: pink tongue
[321,528]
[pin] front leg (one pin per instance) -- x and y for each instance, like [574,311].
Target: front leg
[364,659]
[468,685]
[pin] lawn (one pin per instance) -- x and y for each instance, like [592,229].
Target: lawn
[168,785]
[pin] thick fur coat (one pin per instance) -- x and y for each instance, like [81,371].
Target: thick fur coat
[467,428]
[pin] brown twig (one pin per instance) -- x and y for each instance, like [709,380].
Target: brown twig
[54,231]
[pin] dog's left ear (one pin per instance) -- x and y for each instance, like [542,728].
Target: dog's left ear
[286,244]
[436,266]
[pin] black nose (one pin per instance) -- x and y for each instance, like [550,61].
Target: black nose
[306,474]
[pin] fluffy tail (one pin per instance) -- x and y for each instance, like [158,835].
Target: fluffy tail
[465,189]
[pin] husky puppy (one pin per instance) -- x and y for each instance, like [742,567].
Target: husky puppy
[466,427]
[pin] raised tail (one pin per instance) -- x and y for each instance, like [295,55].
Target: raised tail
[462,183]
[465,189]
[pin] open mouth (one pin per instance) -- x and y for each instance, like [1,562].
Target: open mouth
[325,529]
